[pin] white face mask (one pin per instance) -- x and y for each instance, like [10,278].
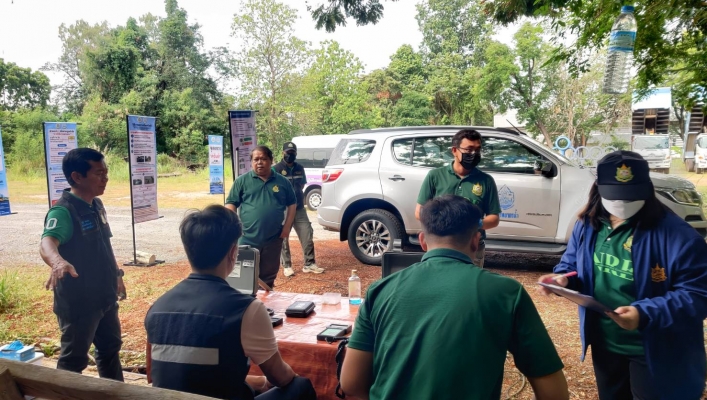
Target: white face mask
[621,208]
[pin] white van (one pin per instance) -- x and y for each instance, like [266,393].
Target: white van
[655,149]
[313,153]
[701,154]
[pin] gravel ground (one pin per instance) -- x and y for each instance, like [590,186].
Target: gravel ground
[20,234]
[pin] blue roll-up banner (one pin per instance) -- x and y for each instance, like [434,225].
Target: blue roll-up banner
[143,167]
[4,193]
[59,139]
[216,164]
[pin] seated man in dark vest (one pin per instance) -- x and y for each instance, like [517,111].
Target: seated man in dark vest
[203,333]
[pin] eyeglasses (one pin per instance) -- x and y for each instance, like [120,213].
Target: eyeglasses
[469,150]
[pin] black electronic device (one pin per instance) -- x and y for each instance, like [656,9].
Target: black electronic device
[276,321]
[271,312]
[300,309]
[333,332]
[394,261]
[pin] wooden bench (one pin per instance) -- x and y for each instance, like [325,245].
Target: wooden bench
[18,379]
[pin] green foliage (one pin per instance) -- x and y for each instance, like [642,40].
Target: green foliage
[23,139]
[21,87]
[335,81]
[269,66]
[670,39]
[331,15]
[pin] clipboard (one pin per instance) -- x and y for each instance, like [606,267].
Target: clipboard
[578,298]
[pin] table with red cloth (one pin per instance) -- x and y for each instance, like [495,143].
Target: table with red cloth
[297,339]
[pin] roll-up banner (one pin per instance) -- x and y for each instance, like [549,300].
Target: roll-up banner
[4,192]
[59,139]
[243,139]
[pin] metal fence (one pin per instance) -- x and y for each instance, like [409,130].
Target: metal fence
[583,155]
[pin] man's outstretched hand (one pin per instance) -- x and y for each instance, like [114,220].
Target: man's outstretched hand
[60,269]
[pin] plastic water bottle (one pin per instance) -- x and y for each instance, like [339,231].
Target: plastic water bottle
[354,288]
[620,57]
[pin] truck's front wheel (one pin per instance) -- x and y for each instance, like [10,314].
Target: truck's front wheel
[372,233]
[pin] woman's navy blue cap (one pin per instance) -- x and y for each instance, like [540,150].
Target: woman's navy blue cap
[624,175]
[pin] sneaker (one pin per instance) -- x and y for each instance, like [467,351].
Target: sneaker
[288,272]
[312,268]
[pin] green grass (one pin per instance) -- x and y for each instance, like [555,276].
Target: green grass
[26,306]
[188,189]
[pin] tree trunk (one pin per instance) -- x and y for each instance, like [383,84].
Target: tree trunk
[541,127]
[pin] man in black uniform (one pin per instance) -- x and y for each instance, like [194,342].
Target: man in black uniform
[85,277]
[294,172]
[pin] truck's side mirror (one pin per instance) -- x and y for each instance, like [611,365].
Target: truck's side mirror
[544,168]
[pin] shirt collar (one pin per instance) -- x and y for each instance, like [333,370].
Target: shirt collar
[272,174]
[205,277]
[450,169]
[447,253]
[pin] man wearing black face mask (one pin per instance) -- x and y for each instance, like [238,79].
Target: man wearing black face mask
[462,178]
[294,172]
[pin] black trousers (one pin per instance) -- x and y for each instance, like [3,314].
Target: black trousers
[622,377]
[100,327]
[270,260]
[299,389]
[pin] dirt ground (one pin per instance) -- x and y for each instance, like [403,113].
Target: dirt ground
[21,234]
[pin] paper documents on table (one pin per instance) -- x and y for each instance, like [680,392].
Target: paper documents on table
[574,296]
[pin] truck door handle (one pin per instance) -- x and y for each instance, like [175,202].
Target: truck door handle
[396,178]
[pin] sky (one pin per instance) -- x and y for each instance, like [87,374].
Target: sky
[29,28]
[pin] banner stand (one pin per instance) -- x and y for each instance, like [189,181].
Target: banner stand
[5,208]
[46,163]
[135,262]
[241,124]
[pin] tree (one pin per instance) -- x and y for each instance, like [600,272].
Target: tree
[335,13]
[340,93]
[455,35]
[76,39]
[22,87]
[670,39]
[269,63]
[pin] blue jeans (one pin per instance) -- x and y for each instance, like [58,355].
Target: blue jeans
[299,389]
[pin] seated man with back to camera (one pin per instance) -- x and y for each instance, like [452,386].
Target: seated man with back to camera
[203,332]
[440,329]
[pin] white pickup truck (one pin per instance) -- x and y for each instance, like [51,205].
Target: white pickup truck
[373,177]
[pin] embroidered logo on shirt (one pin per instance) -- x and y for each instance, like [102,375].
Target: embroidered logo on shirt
[477,189]
[628,244]
[284,172]
[658,274]
[275,189]
[624,174]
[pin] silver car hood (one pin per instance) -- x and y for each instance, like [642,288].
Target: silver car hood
[664,181]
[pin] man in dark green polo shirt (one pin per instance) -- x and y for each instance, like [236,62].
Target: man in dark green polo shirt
[85,277]
[462,178]
[267,206]
[440,329]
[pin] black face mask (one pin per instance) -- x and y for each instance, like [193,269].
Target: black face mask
[290,157]
[470,160]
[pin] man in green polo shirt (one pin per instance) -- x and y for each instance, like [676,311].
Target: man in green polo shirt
[85,277]
[267,206]
[440,329]
[462,178]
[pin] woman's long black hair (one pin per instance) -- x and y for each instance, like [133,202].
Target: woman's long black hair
[648,217]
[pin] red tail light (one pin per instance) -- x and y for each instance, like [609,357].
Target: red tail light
[330,175]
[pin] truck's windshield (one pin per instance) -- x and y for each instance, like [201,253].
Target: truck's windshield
[702,142]
[650,143]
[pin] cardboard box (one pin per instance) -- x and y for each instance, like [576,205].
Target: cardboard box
[23,354]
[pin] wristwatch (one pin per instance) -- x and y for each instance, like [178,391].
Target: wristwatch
[481,224]
[121,272]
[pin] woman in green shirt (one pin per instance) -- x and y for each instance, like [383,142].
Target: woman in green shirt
[645,263]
